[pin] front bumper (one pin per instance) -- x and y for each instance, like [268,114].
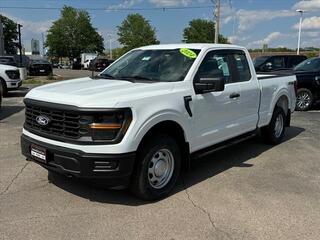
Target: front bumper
[113,169]
[14,84]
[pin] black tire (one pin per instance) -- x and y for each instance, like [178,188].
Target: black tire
[1,93]
[4,88]
[304,99]
[270,133]
[141,185]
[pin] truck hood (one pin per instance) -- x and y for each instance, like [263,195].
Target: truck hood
[7,67]
[97,93]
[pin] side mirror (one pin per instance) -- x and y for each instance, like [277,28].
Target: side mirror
[269,66]
[205,85]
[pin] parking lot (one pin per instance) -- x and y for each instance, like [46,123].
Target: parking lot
[248,191]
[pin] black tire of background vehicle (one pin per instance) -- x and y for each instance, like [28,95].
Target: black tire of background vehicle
[300,92]
[140,185]
[269,132]
[4,88]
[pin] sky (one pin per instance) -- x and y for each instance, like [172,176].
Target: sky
[250,23]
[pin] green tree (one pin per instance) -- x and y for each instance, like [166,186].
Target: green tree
[10,35]
[136,31]
[201,31]
[73,34]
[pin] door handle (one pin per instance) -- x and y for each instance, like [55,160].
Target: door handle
[234,95]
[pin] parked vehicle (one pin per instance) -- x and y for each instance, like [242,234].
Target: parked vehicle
[15,60]
[308,83]
[40,67]
[145,116]
[277,62]
[86,58]
[9,78]
[98,64]
[76,64]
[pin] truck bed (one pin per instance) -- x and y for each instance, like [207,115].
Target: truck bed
[275,74]
[272,85]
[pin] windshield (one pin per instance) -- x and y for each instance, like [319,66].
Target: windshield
[167,65]
[312,64]
[259,60]
[40,62]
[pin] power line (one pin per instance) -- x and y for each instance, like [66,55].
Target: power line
[109,9]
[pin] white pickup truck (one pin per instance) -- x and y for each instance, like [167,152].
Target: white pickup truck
[9,78]
[148,114]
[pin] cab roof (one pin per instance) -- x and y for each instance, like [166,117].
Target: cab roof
[200,46]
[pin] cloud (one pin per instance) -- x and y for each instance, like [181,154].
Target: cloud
[248,18]
[311,23]
[31,26]
[311,5]
[269,39]
[170,3]
[124,4]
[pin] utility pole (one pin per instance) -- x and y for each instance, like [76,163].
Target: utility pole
[300,26]
[110,45]
[1,39]
[43,48]
[20,45]
[217,20]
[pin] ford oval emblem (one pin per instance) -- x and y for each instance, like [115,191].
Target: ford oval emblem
[43,120]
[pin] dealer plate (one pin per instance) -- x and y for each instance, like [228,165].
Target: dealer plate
[38,153]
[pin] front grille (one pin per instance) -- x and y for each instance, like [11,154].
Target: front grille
[13,74]
[62,123]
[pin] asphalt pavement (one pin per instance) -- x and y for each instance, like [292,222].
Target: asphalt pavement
[248,191]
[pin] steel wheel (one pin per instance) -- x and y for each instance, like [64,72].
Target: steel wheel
[303,100]
[160,168]
[278,127]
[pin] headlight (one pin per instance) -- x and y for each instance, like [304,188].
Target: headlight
[110,126]
[317,78]
[13,74]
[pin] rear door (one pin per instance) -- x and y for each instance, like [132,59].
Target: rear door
[249,92]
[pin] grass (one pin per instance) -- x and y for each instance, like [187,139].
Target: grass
[42,79]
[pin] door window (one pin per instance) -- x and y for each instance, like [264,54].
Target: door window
[215,65]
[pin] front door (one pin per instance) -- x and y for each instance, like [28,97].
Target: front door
[216,114]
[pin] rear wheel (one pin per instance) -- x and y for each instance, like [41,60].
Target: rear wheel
[274,132]
[304,99]
[157,169]
[4,88]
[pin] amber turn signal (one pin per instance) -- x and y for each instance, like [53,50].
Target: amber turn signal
[105,126]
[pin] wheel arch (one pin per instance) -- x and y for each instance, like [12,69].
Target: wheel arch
[173,129]
[283,102]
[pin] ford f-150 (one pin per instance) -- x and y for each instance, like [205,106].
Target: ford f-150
[143,118]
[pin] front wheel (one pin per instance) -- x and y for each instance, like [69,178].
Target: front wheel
[274,132]
[157,169]
[4,88]
[304,99]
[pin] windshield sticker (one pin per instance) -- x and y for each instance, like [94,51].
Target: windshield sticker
[188,53]
[145,59]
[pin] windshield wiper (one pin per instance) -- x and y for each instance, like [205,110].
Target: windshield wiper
[108,76]
[104,76]
[137,77]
